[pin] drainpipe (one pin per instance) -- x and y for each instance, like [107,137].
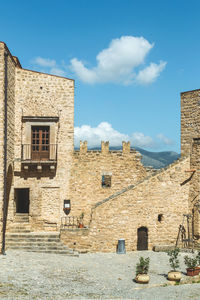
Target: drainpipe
[5,155]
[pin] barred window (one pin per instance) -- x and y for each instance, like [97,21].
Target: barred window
[106,181]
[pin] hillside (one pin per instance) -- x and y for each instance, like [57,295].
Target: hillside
[157,160]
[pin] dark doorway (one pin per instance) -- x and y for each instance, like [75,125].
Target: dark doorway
[22,200]
[142,238]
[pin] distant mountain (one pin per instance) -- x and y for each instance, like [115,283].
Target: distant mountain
[157,160]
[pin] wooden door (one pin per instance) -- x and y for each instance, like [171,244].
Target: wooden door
[40,143]
[22,200]
[142,238]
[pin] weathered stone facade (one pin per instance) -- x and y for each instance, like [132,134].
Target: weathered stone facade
[117,195]
[120,216]
[123,167]
[190,119]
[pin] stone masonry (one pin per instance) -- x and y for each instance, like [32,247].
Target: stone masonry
[116,196]
[119,216]
[123,167]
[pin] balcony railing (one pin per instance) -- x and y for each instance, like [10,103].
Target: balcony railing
[39,152]
[71,222]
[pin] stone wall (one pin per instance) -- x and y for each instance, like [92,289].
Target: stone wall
[11,64]
[2,96]
[41,95]
[194,193]
[190,144]
[123,167]
[7,93]
[190,119]
[120,215]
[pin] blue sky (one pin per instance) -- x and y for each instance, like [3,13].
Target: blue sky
[130,61]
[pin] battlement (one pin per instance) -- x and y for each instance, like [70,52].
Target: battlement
[126,149]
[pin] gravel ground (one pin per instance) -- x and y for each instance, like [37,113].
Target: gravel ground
[38,276]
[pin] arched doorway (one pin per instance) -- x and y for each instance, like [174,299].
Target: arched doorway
[142,238]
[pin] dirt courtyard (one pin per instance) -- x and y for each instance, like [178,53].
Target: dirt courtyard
[26,275]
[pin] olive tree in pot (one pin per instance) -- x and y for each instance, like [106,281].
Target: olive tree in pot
[174,275]
[142,269]
[191,263]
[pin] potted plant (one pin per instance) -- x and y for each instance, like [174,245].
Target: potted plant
[198,260]
[174,275]
[191,263]
[80,221]
[142,269]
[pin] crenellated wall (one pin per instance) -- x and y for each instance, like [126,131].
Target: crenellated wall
[124,167]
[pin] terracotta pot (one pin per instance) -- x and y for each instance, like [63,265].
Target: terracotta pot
[193,272]
[174,276]
[142,278]
[198,268]
[80,226]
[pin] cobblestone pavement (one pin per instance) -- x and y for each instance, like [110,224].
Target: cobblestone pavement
[38,276]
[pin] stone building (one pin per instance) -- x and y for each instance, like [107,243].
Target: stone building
[45,185]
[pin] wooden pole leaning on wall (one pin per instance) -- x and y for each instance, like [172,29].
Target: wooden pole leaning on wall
[186,240]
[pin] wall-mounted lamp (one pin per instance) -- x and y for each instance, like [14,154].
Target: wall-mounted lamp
[67,207]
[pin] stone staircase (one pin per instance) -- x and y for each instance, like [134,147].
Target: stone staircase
[20,237]
[20,224]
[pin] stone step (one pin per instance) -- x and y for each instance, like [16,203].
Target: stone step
[21,214]
[42,249]
[11,239]
[32,235]
[20,220]
[18,224]
[24,230]
[16,231]
[46,242]
[35,244]
[38,247]
[17,227]
[64,252]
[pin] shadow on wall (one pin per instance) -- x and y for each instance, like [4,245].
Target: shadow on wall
[34,173]
[8,189]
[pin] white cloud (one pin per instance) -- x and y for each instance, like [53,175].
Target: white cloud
[57,71]
[82,72]
[140,140]
[44,62]
[164,139]
[49,66]
[105,132]
[150,73]
[118,62]
[94,135]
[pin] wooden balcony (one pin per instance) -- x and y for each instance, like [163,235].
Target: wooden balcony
[39,153]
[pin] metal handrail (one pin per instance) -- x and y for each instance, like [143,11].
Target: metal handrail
[71,222]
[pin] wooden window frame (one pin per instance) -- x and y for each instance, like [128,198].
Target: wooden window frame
[40,142]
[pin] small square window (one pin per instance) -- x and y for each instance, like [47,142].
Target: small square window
[106,181]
